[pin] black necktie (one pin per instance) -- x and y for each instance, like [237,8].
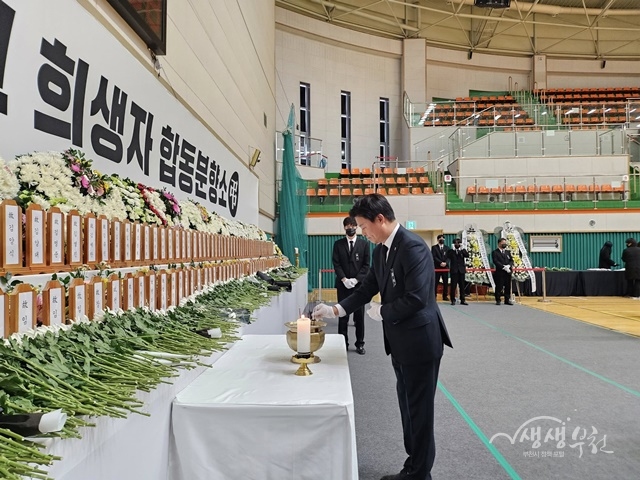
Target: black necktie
[350,246]
[385,249]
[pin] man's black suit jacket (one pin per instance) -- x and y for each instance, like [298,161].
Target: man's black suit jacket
[439,255]
[456,260]
[501,259]
[351,265]
[414,330]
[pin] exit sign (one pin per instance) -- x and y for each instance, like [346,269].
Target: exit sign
[410,225]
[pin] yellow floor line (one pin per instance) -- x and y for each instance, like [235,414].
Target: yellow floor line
[615,313]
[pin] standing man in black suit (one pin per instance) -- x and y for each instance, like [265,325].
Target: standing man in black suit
[504,266]
[351,264]
[414,331]
[439,253]
[456,256]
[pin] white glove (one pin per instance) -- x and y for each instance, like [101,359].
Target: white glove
[374,312]
[350,282]
[322,311]
[507,268]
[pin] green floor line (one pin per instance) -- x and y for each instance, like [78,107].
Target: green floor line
[557,357]
[494,451]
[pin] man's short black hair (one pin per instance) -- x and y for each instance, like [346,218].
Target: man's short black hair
[502,238]
[349,221]
[457,240]
[440,236]
[372,205]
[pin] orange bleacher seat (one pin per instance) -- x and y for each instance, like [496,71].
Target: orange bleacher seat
[367,181]
[356,181]
[344,172]
[581,189]
[334,192]
[345,182]
[378,171]
[423,180]
[413,181]
[345,192]
[569,188]
[606,188]
[390,181]
[428,191]
[419,170]
[322,192]
[410,171]
[483,191]
[368,191]
[404,191]
[392,191]
[311,192]
[323,182]
[365,171]
[495,190]
[334,181]
[471,190]
[594,188]
[382,191]
[379,181]
[416,191]
[357,192]
[355,172]
[387,171]
[401,180]
[556,189]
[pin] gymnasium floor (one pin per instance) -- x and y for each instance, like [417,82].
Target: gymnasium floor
[527,392]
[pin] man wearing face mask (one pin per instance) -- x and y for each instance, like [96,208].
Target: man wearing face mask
[458,269]
[351,264]
[504,265]
[439,254]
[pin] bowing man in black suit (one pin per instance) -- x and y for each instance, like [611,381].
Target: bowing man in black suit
[414,331]
[351,264]
[456,256]
[504,266]
[440,261]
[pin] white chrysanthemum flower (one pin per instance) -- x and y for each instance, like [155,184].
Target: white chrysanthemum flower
[9,185]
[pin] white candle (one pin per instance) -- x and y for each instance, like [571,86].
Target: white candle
[295,249]
[304,335]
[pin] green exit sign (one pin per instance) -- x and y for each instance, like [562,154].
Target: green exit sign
[410,225]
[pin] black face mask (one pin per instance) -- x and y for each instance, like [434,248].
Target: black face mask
[441,241]
[503,246]
[350,231]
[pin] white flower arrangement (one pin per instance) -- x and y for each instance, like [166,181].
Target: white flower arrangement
[519,254]
[9,185]
[473,241]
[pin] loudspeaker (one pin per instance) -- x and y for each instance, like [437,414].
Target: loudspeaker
[255,158]
[492,3]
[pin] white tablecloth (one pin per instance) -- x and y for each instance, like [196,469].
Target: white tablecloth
[249,417]
[137,448]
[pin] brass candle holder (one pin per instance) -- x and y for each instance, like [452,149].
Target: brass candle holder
[317,340]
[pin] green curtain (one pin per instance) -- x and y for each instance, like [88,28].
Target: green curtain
[292,232]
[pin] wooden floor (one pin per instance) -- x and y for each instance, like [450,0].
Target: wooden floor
[615,313]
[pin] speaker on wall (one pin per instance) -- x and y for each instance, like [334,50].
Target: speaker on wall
[492,3]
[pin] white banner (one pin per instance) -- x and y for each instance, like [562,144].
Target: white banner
[65,81]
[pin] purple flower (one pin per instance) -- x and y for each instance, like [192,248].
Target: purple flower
[75,167]
[84,181]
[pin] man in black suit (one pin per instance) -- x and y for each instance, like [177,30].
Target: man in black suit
[456,256]
[439,253]
[504,266]
[414,331]
[351,264]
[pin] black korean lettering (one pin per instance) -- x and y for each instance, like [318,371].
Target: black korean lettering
[186,166]
[202,170]
[54,87]
[214,172]
[222,189]
[6,23]
[107,142]
[169,148]
[234,191]
[135,150]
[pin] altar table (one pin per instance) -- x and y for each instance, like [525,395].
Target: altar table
[249,417]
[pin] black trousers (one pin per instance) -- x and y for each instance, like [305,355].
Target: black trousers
[445,282]
[416,389]
[358,318]
[633,287]
[503,281]
[457,280]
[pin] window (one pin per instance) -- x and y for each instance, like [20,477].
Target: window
[148,18]
[384,127]
[305,124]
[345,128]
